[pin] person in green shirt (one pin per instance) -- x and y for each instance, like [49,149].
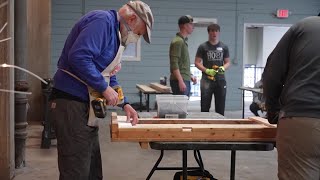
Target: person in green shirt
[179,58]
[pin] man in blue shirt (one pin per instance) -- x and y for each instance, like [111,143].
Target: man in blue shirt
[88,63]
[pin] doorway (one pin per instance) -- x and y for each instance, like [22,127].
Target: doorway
[259,42]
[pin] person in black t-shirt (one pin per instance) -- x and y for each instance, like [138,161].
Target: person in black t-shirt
[213,59]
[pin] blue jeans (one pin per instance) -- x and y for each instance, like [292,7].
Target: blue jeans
[219,89]
[176,90]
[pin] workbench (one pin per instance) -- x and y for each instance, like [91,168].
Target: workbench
[200,131]
[152,88]
[256,90]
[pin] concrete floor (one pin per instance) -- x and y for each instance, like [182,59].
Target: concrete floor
[128,161]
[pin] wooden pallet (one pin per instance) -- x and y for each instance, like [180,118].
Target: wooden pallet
[156,129]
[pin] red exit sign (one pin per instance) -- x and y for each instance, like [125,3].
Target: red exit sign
[282,13]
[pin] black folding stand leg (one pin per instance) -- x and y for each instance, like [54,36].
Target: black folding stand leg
[243,104]
[233,164]
[155,165]
[184,164]
[148,102]
[140,94]
[197,157]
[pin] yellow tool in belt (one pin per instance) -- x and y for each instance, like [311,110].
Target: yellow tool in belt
[99,105]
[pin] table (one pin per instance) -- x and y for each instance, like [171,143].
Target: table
[197,146]
[242,88]
[147,91]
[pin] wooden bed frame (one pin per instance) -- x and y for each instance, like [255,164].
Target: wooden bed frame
[253,129]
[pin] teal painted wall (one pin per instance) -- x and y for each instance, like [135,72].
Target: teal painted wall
[231,15]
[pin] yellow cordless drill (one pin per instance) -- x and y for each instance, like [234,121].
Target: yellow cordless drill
[216,68]
[99,104]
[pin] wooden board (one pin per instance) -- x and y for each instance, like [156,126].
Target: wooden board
[161,88]
[38,46]
[256,90]
[156,129]
[7,99]
[145,88]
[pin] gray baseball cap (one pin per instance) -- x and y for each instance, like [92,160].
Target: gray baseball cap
[144,12]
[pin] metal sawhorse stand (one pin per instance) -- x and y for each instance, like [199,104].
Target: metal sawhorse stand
[197,146]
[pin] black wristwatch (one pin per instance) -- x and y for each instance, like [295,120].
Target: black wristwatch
[124,104]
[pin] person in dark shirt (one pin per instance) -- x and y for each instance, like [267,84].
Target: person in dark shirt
[258,103]
[213,59]
[291,85]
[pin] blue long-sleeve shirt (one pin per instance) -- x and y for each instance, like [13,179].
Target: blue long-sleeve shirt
[90,47]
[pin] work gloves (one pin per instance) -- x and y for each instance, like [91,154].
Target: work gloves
[211,72]
[221,70]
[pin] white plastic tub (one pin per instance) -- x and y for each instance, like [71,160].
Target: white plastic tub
[172,106]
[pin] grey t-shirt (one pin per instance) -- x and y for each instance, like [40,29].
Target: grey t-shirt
[291,78]
[212,55]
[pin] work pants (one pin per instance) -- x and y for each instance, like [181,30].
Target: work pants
[298,145]
[176,90]
[217,88]
[78,146]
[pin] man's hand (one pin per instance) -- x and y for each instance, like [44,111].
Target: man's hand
[132,115]
[194,79]
[111,96]
[262,106]
[211,72]
[273,117]
[182,86]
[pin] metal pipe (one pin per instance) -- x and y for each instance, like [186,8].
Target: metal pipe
[25,70]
